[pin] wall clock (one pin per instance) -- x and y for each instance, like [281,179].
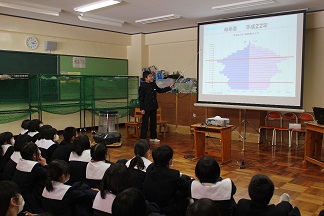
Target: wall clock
[32,42]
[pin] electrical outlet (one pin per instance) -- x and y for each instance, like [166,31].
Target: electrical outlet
[194,115]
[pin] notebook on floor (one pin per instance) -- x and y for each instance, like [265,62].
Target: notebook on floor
[319,115]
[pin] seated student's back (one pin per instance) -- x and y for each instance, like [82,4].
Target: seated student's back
[212,186]
[261,190]
[48,144]
[79,158]
[10,167]
[59,199]
[63,150]
[30,175]
[139,163]
[98,165]
[6,149]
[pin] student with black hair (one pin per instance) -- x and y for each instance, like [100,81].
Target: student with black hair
[30,175]
[59,199]
[130,202]
[63,150]
[24,126]
[33,129]
[203,207]
[48,142]
[261,190]
[6,149]
[11,201]
[10,167]
[138,164]
[212,186]
[115,180]
[98,165]
[79,158]
[165,186]
[149,105]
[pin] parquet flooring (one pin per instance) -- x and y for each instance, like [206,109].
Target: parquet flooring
[303,182]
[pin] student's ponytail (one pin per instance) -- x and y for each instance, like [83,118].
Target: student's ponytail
[55,170]
[48,182]
[137,161]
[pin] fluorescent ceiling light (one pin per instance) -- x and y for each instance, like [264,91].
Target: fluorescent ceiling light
[96,5]
[32,8]
[158,19]
[243,4]
[100,20]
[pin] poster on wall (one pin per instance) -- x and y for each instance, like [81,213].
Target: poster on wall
[79,62]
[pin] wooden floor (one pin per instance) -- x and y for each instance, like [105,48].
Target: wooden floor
[303,182]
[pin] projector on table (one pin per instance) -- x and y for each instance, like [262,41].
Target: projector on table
[217,121]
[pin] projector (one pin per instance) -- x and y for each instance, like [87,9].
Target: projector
[217,121]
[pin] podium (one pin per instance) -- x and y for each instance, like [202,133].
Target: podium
[200,138]
[313,144]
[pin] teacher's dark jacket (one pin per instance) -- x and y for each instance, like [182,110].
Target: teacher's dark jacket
[147,95]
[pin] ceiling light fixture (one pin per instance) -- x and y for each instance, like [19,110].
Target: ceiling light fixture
[158,19]
[101,20]
[32,8]
[243,4]
[96,5]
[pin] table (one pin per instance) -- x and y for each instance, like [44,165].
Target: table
[200,131]
[313,143]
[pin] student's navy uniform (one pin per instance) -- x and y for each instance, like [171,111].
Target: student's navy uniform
[10,167]
[102,207]
[148,102]
[23,131]
[35,135]
[30,177]
[166,188]
[62,152]
[7,150]
[220,192]
[63,200]
[94,173]
[247,207]
[47,148]
[138,175]
[78,166]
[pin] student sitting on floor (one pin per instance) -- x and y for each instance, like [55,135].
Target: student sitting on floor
[10,167]
[138,164]
[6,149]
[48,144]
[24,126]
[212,186]
[11,201]
[59,199]
[33,129]
[98,165]
[115,180]
[165,186]
[64,149]
[79,158]
[30,176]
[261,190]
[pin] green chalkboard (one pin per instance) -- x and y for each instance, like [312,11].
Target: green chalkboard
[95,66]
[12,62]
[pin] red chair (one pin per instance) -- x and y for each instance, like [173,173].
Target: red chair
[302,118]
[286,119]
[275,118]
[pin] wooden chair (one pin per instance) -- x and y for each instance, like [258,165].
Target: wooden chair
[136,124]
[159,122]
